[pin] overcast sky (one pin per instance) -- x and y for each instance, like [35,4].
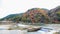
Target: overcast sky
[18,6]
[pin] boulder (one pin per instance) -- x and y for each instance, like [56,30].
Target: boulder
[33,29]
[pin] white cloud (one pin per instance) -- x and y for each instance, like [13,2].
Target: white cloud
[19,6]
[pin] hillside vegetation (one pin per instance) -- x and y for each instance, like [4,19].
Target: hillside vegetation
[36,15]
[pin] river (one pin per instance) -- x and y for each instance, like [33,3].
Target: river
[3,29]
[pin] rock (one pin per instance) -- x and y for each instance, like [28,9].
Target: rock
[56,33]
[33,29]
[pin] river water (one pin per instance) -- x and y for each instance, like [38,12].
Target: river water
[12,32]
[3,31]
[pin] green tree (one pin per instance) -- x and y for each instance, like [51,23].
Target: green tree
[58,15]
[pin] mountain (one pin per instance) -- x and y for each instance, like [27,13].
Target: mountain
[33,15]
[36,15]
[55,14]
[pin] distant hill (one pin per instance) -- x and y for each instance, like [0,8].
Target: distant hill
[12,17]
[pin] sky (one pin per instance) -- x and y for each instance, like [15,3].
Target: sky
[19,6]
